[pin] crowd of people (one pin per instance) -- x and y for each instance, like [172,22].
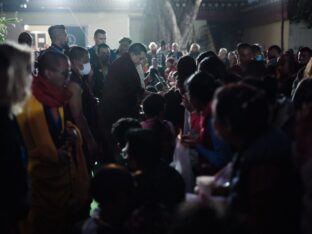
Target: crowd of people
[131,129]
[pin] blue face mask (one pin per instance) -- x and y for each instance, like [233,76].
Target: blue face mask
[259,57]
[273,61]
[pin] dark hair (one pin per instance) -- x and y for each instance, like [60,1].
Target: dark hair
[174,111]
[137,48]
[214,66]
[144,149]
[303,94]
[204,55]
[185,68]
[256,69]
[50,60]
[163,43]
[103,45]
[120,128]
[275,47]
[153,105]
[53,30]
[287,58]
[290,52]
[109,182]
[195,218]
[305,49]
[170,60]
[151,89]
[25,38]
[268,84]
[150,218]
[77,52]
[243,46]
[242,108]
[125,39]
[202,86]
[231,78]
[99,31]
[256,49]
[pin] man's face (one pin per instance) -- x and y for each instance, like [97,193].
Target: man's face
[304,57]
[174,47]
[273,53]
[59,76]
[153,48]
[245,55]
[194,48]
[104,54]
[137,58]
[100,38]
[123,47]
[81,62]
[62,37]
[222,54]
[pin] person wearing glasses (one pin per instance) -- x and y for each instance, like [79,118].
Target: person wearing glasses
[57,168]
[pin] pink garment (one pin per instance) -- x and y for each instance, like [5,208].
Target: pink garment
[148,124]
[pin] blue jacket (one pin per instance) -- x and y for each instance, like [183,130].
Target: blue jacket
[221,153]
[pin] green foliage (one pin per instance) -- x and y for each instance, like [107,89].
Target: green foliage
[4,24]
[304,12]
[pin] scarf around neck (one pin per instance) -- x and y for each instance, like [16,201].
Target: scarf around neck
[49,94]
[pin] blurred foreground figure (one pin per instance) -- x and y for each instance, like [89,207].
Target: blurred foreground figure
[59,177]
[265,192]
[15,80]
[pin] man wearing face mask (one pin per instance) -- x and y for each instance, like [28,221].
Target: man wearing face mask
[82,105]
[100,69]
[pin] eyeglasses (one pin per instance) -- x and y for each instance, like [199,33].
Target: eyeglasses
[66,73]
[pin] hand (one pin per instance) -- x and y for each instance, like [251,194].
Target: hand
[188,141]
[71,134]
[64,153]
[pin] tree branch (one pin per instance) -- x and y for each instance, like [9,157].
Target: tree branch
[171,20]
[191,11]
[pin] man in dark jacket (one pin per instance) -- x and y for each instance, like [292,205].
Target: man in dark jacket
[99,38]
[123,90]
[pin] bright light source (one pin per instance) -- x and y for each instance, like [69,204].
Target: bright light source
[26,27]
[23,6]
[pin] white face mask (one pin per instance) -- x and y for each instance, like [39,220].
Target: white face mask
[86,69]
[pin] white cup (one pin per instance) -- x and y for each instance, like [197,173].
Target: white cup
[203,186]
